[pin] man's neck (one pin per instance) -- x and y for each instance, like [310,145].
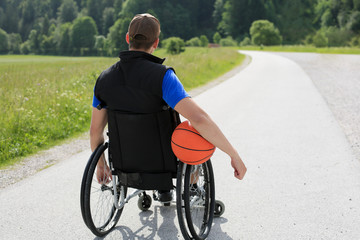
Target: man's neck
[150,50]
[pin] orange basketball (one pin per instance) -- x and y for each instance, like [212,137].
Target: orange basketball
[189,146]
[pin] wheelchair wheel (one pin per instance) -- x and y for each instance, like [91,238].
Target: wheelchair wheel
[97,200]
[195,200]
[219,208]
[144,202]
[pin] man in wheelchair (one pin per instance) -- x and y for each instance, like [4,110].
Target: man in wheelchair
[137,97]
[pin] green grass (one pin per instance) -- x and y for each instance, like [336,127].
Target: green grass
[197,66]
[45,99]
[302,48]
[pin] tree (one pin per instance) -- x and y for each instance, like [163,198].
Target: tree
[118,6]
[173,19]
[63,39]
[67,11]
[83,33]
[117,33]
[14,43]
[239,15]
[34,41]
[218,11]
[354,22]
[27,11]
[95,10]
[2,18]
[48,45]
[4,46]
[108,19]
[356,5]
[264,32]
[293,18]
[45,25]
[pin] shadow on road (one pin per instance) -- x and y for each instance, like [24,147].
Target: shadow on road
[160,224]
[217,232]
[153,226]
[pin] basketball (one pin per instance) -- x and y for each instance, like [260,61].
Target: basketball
[189,146]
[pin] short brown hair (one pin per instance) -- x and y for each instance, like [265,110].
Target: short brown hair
[144,30]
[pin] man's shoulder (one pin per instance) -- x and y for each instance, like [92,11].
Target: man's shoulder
[109,72]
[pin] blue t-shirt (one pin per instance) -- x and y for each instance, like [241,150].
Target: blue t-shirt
[173,90]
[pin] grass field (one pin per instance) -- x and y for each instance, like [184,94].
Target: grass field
[302,48]
[47,99]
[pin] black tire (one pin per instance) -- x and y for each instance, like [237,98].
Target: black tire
[144,202]
[97,200]
[195,202]
[180,205]
[219,208]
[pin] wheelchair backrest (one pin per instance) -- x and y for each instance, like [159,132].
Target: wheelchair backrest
[141,143]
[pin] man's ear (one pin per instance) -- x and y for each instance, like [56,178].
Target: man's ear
[156,43]
[127,38]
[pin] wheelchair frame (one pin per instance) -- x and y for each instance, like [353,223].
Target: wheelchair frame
[192,199]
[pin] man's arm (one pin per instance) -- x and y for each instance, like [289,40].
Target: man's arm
[202,122]
[98,123]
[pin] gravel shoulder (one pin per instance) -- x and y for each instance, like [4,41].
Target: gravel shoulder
[47,158]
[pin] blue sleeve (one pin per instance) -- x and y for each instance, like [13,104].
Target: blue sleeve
[95,102]
[173,90]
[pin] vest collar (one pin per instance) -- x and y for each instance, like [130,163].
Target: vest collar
[131,55]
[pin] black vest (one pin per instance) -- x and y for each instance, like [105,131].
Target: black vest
[140,123]
[134,84]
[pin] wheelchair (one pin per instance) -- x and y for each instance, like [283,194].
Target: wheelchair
[103,203]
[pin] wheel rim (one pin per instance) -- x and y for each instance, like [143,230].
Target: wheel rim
[100,211]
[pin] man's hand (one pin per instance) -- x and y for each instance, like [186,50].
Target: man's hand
[239,167]
[103,173]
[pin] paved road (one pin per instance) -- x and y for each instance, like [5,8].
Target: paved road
[337,77]
[303,179]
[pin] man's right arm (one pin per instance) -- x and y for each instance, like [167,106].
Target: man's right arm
[202,122]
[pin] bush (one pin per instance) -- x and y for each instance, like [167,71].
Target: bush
[264,32]
[25,48]
[217,38]
[338,37]
[355,41]
[320,40]
[174,45]
[204,41]
[245,42]
[228,42]
[309,39]
[100,45]
[193,42]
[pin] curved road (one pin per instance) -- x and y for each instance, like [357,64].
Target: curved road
[303,179]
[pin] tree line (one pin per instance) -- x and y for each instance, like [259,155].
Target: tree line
[98,27]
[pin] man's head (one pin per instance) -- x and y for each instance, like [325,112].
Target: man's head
[143,32]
